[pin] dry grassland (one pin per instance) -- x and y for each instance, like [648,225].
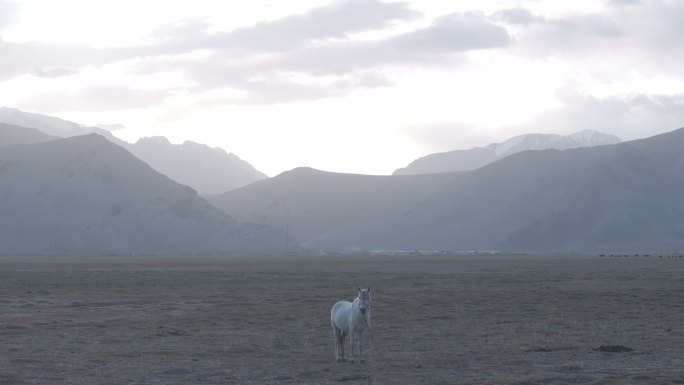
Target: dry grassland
[436,320]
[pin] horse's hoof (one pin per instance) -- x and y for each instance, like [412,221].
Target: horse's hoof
[352,362]
[362,361]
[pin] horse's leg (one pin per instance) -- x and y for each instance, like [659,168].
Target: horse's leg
[361,337]
[343,336]
[337,333]
[354,341]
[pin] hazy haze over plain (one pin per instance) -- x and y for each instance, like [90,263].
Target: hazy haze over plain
[330,84]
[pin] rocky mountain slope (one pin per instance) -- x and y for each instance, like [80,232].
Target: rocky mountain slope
[87,196]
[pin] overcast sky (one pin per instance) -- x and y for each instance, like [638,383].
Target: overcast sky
[361,86]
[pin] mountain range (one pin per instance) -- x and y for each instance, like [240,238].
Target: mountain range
[85,195]
[463,160]
[205,169]
[622,197]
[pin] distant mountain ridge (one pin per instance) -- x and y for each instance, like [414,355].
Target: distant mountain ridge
[84,195]
[625,197]
[207,170]
[11,134]
[44,123]
[463,160]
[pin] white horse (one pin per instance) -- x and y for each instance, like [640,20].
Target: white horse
[353,319]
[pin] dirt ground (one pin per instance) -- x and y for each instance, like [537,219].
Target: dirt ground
[435,320]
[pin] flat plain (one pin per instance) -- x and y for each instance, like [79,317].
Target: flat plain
[265,320]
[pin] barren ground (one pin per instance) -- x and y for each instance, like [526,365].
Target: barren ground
[436,320]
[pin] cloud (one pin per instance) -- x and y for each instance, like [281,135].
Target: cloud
[624,2]
[626,116]
[657,23]
[454,33]
[229,53]
[333,21]
[52,72]
[644,36]
[270,77]
[54,59]
[9,11]
[437,44]
[267,60]
[517,16]
[94,98]
[336,20]
[281,88]
[578,34]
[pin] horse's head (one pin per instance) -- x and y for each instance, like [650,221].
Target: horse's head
[364,300]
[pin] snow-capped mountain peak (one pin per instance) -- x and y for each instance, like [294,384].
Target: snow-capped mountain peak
[461,160]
